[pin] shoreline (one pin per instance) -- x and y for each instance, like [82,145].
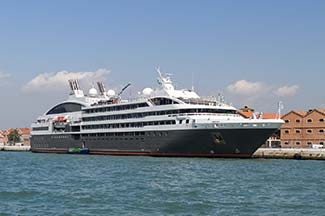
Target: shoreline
[290,153]
[264,153]
[14,148]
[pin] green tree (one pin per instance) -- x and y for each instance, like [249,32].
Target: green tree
[14,136]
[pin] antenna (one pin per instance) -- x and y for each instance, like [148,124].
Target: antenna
[158,70]
[280,107]
[123,89]
[192,81]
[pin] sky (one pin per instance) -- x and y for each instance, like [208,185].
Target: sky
[254,52]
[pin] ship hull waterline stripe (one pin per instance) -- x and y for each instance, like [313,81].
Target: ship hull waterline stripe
[154,154]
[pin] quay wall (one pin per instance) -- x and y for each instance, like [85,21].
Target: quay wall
[14,148]
[267,153]
[290,153]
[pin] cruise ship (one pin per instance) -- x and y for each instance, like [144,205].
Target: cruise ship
[163,121]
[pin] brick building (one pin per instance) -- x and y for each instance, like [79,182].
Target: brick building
[303,129]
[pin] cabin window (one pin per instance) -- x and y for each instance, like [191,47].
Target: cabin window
[309,120]
[40,128]
[286,121]
[321,120]
[286,143]
[321,131]
[286,131]
[297,143]
[309,131]
[297,131]
[297,120]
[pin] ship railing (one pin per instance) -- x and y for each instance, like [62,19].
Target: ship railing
[208,101]
[204,114]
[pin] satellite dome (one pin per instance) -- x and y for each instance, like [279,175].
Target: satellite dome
[147,91]
[111,93]
[92,92]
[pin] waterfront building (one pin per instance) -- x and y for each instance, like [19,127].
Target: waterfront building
[24,134]
[303,129]
[2,137]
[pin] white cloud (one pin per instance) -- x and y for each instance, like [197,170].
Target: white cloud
[4,76]
[243,87]
[55,81]
[286,91]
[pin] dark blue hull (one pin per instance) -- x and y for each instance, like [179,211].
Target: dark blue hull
[183,143]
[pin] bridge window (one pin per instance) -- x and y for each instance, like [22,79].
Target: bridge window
[65,108]
[163,101]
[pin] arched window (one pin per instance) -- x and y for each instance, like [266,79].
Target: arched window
[163,101]
[65,108]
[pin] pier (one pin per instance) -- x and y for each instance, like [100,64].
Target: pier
[290,153]
[14,148]
[266,153]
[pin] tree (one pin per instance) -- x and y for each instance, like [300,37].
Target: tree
[14,136]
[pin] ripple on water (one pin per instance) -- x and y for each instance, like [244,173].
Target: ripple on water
[39,184]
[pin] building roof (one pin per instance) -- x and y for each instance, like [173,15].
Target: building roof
[25,131]
[270,116]
[300,113]
[21,131]
[250,114]
[304,113]
[322,111]
[246,114]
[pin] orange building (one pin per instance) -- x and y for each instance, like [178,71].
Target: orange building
[303,129]
[23,132]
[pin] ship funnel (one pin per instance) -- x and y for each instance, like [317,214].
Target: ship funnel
[74,85]
[75,88]
[101,87]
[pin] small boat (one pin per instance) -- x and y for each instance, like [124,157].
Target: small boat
[78,151]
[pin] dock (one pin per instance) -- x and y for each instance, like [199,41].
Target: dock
[14,148]
[290,153]
[266,153]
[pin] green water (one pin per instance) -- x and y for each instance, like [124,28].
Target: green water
[52,184]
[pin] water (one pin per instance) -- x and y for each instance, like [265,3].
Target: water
[52,184]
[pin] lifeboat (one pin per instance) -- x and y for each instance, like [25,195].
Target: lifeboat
[60,122]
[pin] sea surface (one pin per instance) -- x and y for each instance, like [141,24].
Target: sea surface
[55,184]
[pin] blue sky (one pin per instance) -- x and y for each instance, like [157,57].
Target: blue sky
[254,52]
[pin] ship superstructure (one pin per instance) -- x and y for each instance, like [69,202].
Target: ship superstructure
[160,122]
